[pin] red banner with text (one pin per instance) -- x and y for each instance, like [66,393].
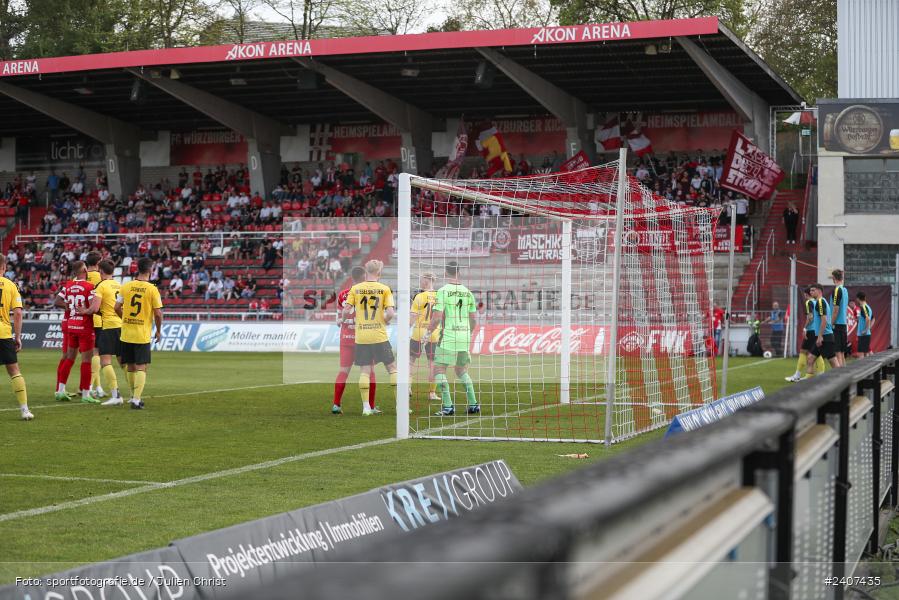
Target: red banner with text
[750,171]
[207,147]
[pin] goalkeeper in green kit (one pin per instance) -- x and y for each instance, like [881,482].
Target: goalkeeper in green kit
[454,311]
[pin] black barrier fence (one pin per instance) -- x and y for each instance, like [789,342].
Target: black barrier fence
[780,500]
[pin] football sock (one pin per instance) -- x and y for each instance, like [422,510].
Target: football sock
[820,365]
[130,377]
[801,364]
[339,386]
[432,387]
[372,387]
[95,371]
[469,389]
[140,380]
[18,388]
[443,386]
[393,379]
[85,383]
[364,385]
[62,373]
[112,381]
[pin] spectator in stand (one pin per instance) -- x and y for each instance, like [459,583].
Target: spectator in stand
[228,289]
[303,267]
[176,285]
[269,256]
[53,185]
[217,273]
[249,290]
[283,285]
[742,210]
[335,269]
[791,221]
[202,280]
[214,289]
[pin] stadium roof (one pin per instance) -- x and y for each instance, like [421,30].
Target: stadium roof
[639,66]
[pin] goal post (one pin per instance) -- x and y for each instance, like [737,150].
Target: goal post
[592,303]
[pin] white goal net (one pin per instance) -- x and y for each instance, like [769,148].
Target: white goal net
[577,333]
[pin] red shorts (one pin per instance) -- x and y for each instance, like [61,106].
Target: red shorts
[82,340]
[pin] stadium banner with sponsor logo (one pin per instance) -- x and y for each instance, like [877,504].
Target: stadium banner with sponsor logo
[498,339]
[567,34]
[60,152]
[252,554]
[487,339]
[159,573]
[860,127]
[713,412]
[748,170]
[207,147]
[238,559]
[879,298]
[473,242]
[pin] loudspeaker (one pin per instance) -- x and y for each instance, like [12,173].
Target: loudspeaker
[484,74]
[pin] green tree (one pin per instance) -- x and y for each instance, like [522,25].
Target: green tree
[503,14]
[12,25]
[799,41]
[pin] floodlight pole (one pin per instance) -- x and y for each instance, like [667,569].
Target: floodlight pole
[612,355]
[404,258]
[730,298]
[790,337]
[565,305]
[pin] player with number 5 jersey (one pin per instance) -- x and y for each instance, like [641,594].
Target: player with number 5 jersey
[140,307]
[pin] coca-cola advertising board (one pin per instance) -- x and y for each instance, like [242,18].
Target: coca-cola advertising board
[496,339]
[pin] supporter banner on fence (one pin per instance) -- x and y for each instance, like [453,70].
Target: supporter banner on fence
[721,242]
[237,560]
[64,153]
[715,411]
[859,127]
[374,141]
[748,170]
[207,147]
[449,242]
[879,298]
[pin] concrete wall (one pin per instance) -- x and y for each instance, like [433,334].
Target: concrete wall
[849,228]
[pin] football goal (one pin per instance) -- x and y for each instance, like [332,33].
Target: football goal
[571,306]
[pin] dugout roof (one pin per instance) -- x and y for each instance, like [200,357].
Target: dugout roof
[609,67]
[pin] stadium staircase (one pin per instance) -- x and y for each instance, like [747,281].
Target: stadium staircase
[771,243]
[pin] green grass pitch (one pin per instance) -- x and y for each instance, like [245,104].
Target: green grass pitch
[209,413]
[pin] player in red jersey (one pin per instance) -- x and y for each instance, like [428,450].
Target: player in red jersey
[348,347]
[68,356]
[74,294]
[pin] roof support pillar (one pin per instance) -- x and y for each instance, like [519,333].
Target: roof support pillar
[415,125]
[568,109]
[750,106]
[122,140]
[263,133]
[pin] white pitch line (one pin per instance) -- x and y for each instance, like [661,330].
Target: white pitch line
[755,364]
[189,480]
[77,402]
[94,479]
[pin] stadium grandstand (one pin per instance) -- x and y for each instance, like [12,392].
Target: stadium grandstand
[143,153]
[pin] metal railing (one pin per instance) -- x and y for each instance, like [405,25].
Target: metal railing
[758,279]
[768,503]
[805,201]
[218,238]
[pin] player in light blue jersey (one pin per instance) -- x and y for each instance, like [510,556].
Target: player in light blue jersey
[865,322]
[840,308]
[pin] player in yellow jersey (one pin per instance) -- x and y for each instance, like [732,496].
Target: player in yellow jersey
[139,306]
[92,260]
[106,294]
[422,306]
[11,338]
[371,304]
